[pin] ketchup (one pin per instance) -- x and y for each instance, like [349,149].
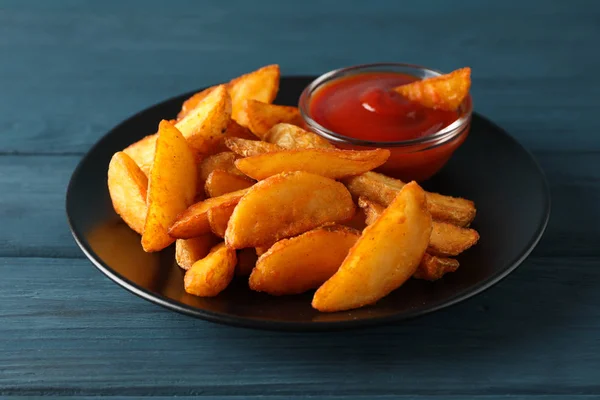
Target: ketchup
[364,106]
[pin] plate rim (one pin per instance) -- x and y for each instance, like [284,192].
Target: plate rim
[274,325]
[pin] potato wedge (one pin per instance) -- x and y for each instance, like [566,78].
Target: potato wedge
[171,187]
[450,240]
[446,239]
[286,205]
[218,217]
[205,125]
[193,222]
[385,256]
[223,161]
[263,116]
[193,102]
[433,268]
[382,189]
[445,92]
[260,250]
[212,274]
[188,251]
[292,137]
[235,130]
[304,262]
[127,186]
[330,163]
[142,152]
[220,182]
[261,85]
[246,262]
[249,148]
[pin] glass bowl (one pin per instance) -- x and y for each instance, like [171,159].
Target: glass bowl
[414,159]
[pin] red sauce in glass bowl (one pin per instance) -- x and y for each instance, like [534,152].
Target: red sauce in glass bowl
[362,106]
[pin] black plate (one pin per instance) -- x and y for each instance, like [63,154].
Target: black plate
[491,168]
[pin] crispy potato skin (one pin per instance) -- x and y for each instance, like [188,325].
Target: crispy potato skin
[218,218]
[249,148]
[445,92]
[220,182]
[188,251]
[193,221]
[212,274]
[304,262]
[385,256]
[334,164]
[203,127]
[263,116]
[171,187]
[286,205]
[127,186]
[261,85]
[433,268]
[382,189]
[446,239]
[290,136]
[193,102]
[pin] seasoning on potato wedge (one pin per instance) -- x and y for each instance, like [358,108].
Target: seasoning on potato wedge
[127,186]
[218,218]
[261,85]
[446,239]
[292,137]
[212,274]
[304,262]
[249,148]
[334,164]
[286,205]
[193,221]
[383,189]
[188,251]
[171,187]
[261,117]
[220,182]
[385,256]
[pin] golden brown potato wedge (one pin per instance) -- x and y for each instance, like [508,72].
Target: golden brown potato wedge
[246,262]
[249,148]
[218,217]
[433,268]
[212,274]
[331,163]
[204,126]
[171,187]
[193,222]
[261,85]
[382,189]
[127,186]
[220,182]
[188,251]
[142,152]
[292,137]
[304,262]
[263,116]
[223,161]
[286,205]
[260,250]
[446,239]
[385,256]
[193,102]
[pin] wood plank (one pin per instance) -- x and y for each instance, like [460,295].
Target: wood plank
[67,330]
[77,68]
[32,205]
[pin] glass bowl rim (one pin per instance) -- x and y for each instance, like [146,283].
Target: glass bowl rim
[444,134]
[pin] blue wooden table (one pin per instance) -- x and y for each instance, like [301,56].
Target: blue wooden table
[72,69]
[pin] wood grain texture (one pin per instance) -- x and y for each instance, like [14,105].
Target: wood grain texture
[68,330]
[72,69]
[76,68]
